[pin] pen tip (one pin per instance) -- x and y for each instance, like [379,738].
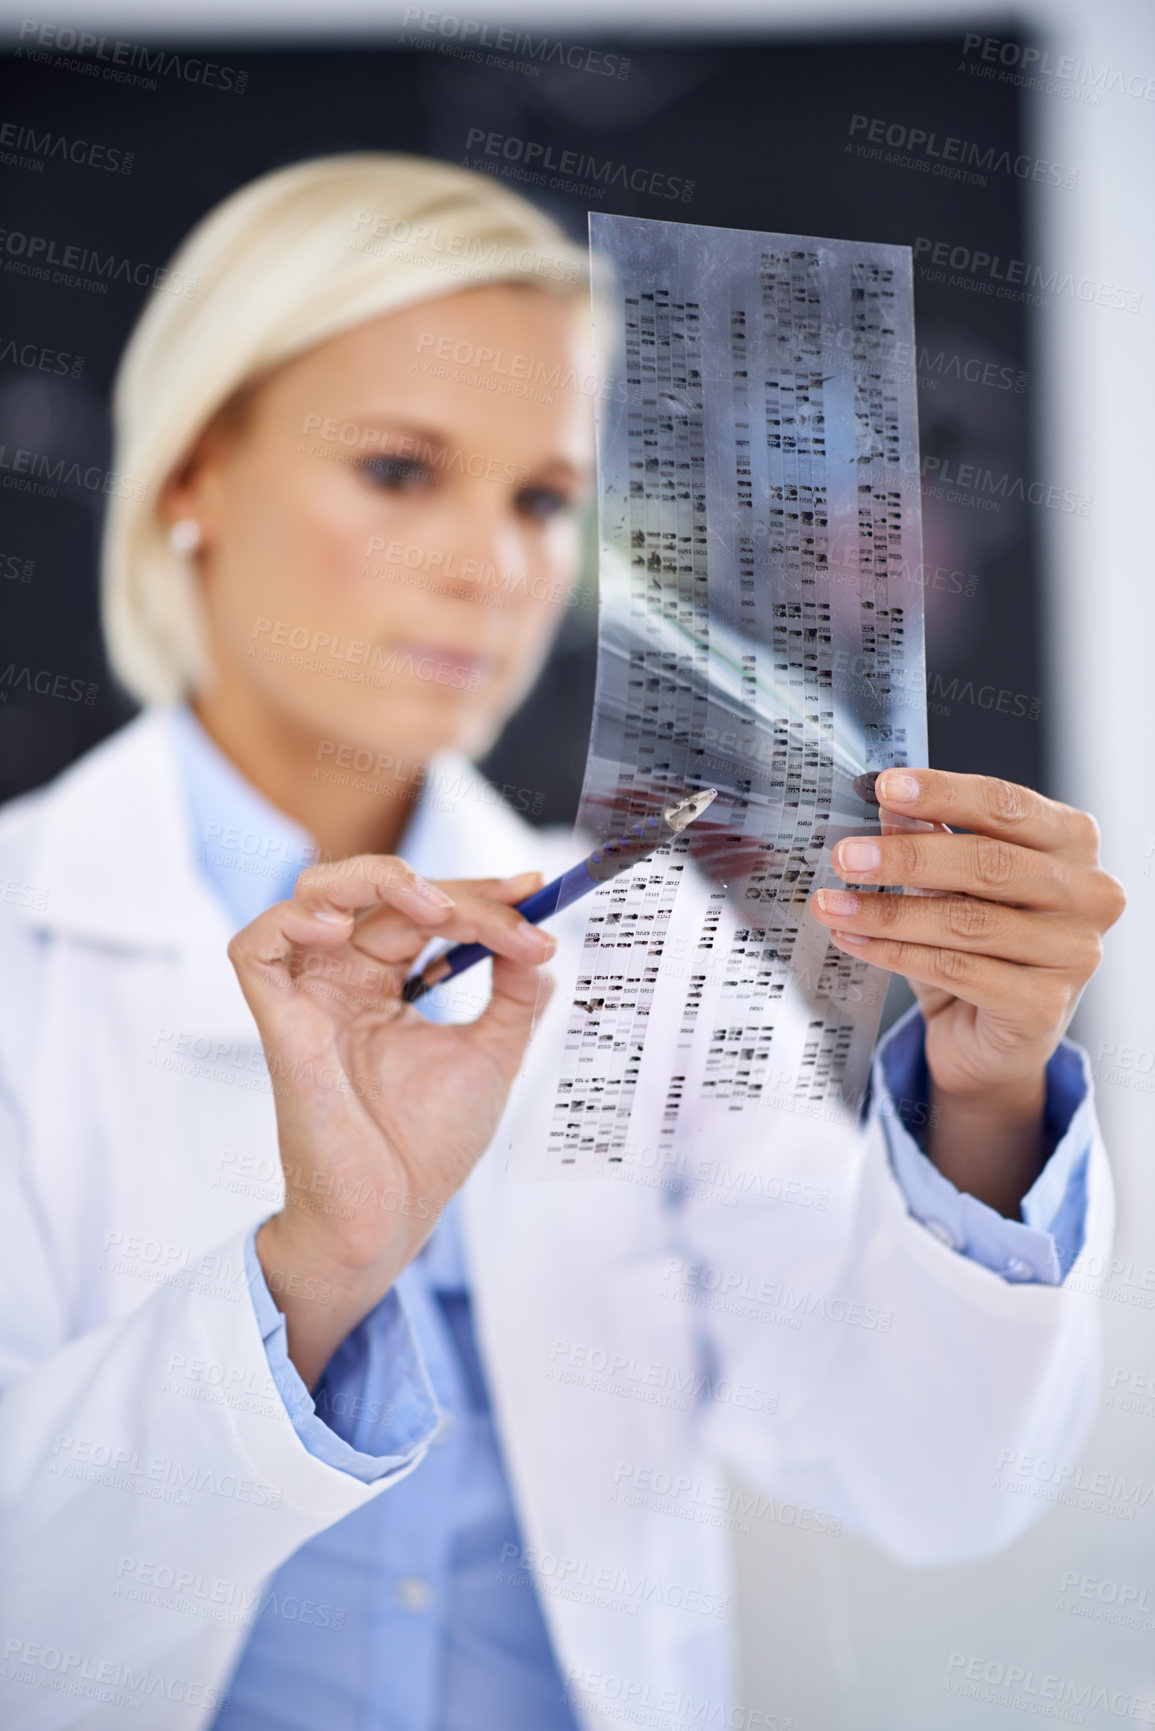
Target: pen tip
[679,816]
[413,989]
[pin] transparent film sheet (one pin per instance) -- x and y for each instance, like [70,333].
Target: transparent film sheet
[760,632]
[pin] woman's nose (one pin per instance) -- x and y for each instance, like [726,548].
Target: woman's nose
[484,547]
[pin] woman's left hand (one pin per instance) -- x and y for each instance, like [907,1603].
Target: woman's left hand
[997,958]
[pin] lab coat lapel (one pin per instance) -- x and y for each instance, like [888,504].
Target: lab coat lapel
[117,865]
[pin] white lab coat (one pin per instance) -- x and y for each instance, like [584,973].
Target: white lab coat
[139,1428]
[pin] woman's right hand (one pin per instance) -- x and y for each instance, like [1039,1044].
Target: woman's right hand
[381,1115]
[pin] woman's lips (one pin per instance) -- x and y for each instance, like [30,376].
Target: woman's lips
[442,664]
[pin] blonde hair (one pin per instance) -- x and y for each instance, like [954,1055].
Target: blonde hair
[281,265]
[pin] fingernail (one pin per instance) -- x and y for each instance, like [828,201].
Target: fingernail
[898,784]
[332,916]
[545,942]
[850,938]
[437,898]
[858,856]
[837,902]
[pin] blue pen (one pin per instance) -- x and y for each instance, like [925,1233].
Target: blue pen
[606,862]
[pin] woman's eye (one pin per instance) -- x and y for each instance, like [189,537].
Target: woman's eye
[541,503]
[397,474]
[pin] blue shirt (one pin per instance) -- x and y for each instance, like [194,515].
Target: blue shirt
[415,1612]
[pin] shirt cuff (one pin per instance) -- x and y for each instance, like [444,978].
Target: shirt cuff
[1042,1246]
[381,1408]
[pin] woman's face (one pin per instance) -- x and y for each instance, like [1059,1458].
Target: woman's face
[389,536]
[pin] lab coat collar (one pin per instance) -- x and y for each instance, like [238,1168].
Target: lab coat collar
[116,854]
[115,848]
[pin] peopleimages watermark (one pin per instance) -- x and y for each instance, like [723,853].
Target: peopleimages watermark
[1071,1482]
[161,1263]
[69,266]
[763,1299]
[1121,1280]
[24,147]
[1017,279]
[930,370]
[16,568]
[607,1585]
[509,368]
[1132,1391]
[1124,1066]
[460,375]
[707,1502]
[1120,1603]
[1044,1693]
[255,853]
[162,1478]
[216,1384]
[376,449]
[943,695]
[512,373]
[899,361]
[291,1185]
[948,157]
[439,787]
[643,1701]
[28,471]
[987,490]
[1032,68]
[42,682]
[709,1178]
[239,1064]
[215,1598]
[608,1372]
[355,658]
[122,62]
[35,357]
[502,46]
[112,1682]
[23,894]
[435,248]
[568,170]
[440,573]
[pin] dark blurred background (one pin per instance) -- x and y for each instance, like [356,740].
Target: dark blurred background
[764,133]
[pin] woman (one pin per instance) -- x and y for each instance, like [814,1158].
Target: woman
[312,1416]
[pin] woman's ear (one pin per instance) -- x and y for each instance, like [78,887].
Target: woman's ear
[192,491]
[194,488]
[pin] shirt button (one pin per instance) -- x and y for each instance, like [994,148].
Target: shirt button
[943,1234]
[414,1593]
[1017,1269]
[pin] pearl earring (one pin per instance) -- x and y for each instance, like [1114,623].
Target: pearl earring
[185,536]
